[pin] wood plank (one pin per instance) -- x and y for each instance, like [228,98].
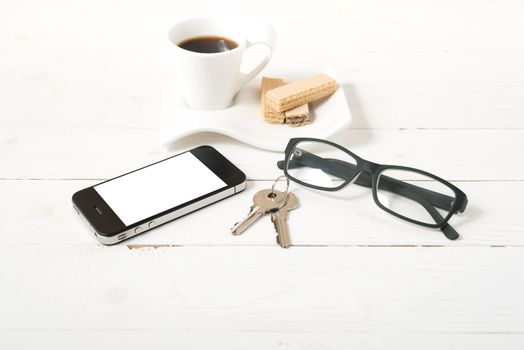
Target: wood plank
[378,26]
[262,289]
[385,90]
[37,212]
[377,11]
[140,339]
[57,153]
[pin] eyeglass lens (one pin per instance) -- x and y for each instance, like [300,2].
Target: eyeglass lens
[403,192]
[320,164]
[406,193]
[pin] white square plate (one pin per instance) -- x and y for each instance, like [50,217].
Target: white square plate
[242,121]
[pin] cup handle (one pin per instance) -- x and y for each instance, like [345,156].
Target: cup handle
[268,39]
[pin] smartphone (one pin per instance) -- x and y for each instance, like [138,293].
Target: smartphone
[143,199]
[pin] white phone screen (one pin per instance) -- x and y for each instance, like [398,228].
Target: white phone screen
[159,187]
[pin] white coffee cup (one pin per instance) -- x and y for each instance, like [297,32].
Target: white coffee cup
[211,80]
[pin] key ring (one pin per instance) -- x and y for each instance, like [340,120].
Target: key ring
[275,183]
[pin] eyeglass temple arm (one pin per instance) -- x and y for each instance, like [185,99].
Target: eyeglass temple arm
[364,179]
[404,189]
[447,229]
[419,195]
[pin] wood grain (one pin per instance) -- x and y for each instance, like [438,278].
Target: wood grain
[166,339]
[262,289]
[40,212]
[375,26]
[70,153]
[385,90]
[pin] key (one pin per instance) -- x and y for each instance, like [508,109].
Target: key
[279,219]
[263,203]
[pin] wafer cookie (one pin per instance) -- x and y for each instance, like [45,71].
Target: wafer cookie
[298,120]
[300,111]
[300,92]
[270,115]
[298,116]
[301,123]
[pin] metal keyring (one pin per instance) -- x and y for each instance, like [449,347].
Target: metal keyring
[275,183]
[272,194]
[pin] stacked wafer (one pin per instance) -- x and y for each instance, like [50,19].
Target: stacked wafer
[288,103]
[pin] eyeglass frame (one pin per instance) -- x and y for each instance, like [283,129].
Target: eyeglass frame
[363,166]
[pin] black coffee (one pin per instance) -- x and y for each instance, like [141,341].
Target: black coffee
[208,44]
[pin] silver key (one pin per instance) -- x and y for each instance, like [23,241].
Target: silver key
[279,219]
[263,202]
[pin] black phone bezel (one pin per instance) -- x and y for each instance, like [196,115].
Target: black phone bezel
[106,223]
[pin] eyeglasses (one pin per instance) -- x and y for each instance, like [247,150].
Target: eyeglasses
[407,193]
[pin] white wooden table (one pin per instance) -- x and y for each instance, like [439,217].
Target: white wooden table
[438,85]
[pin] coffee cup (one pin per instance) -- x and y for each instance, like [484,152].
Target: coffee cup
[207,54]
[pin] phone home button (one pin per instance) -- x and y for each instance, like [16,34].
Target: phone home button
[138,229]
